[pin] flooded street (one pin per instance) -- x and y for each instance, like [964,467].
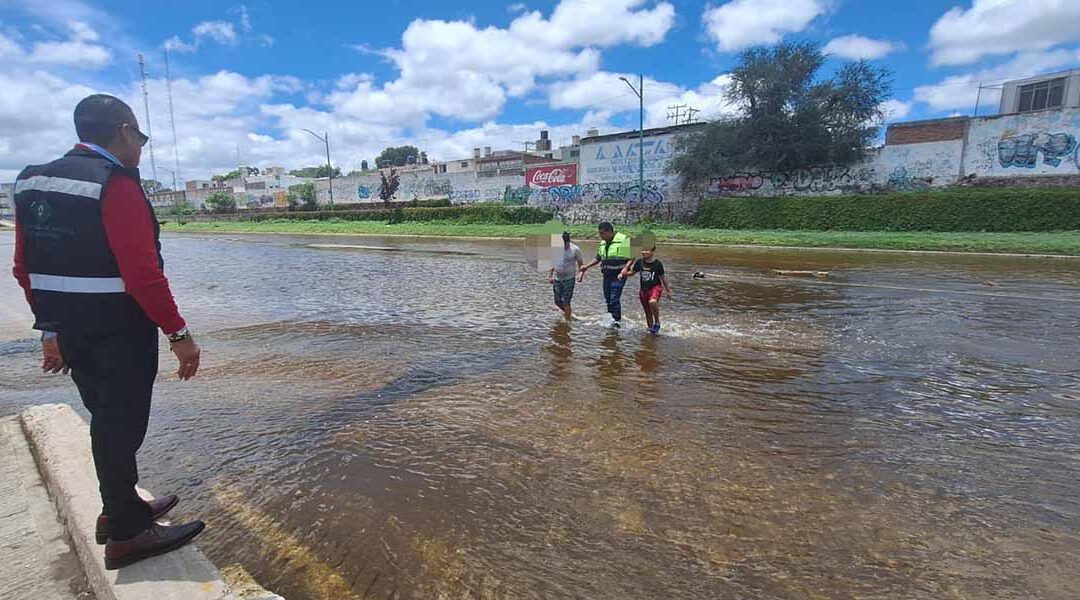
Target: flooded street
[410,418]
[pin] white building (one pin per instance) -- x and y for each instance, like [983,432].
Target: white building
[1054,90]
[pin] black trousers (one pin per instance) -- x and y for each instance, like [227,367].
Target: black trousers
[115,375]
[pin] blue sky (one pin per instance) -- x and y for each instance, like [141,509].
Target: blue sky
[247,77]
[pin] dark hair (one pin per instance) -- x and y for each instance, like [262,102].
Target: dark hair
[98,118]
[605,226]
[566,236]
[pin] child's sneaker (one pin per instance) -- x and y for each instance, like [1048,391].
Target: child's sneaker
[655,329]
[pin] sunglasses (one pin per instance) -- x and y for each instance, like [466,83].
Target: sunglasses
[143,138]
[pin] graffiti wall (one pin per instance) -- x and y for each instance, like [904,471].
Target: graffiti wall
[460,188]
[1040,143]
[900,168]
[608,172]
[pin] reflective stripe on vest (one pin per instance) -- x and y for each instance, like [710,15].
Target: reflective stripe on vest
[60,185]
[76,285]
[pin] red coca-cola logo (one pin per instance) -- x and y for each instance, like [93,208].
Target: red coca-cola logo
[544,177]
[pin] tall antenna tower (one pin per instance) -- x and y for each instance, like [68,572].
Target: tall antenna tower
[172,122]
[146,108]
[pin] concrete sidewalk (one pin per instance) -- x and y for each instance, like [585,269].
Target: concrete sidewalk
[36,560]
[49,497]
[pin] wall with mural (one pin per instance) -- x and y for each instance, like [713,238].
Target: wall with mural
[608,172]
[1041,143]
[901,168]
[460,188]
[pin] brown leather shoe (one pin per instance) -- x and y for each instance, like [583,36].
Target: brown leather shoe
[158,508]
[158,539]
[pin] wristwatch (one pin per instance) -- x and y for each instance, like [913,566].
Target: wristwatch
[180,336]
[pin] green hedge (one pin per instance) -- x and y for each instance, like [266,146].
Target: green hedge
[998,210]
[495,214]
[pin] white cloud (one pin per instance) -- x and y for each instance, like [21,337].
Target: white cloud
[74,53]
[83,32]
[605,95]
[742,23]
[221,32]
[895,110]
[997,27]
[577,23]
[856,47]
[457,69]
[175,44]
[961,91]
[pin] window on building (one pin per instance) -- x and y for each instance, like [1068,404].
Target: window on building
[464,164]
[575,153]
[1044,94]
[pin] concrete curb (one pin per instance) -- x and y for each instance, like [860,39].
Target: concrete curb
[60,441]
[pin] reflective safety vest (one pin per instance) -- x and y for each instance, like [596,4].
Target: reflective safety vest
[74,277]
[614,254]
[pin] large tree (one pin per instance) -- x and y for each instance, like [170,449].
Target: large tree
[153,186]
[790,116]
[319,171]
[303,195]
[397,156]
[221,202]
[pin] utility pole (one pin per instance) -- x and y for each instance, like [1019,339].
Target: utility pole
[172,120]
[690,115]
[146,108]
[325,138]
[640,92]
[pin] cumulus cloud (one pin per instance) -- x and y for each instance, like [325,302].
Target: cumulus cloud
[961,91]
[459,70]
[604,94]
[455,69]
[742,23]
[78,50]
[856,47]
[999,27]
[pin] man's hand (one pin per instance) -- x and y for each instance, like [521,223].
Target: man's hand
[551,279]
[670,296]
[187,354]
[51,360]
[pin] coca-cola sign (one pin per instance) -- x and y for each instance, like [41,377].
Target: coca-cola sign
[551,176]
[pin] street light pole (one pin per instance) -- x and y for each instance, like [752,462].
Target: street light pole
[325,139]
[640,93]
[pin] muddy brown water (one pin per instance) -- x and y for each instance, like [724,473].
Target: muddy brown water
[418,423]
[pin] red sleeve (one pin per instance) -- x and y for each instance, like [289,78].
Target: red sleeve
[129,227]
[19,270]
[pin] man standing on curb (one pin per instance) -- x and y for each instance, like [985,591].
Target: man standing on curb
[87,256]
[612,255]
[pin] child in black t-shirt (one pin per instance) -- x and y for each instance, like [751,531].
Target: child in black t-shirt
[653,283]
